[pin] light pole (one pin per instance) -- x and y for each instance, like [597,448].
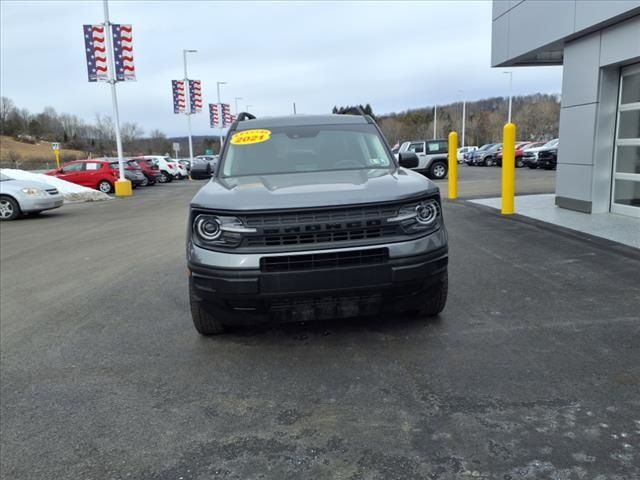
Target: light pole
[510,73]
[464,114]
[220,113]
[435,120]
[236,100]
[188,111]
[120,191]
[248,106]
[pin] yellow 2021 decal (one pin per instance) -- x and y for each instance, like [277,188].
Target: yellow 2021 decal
[249,137]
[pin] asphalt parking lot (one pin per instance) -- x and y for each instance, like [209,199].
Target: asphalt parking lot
[532,371]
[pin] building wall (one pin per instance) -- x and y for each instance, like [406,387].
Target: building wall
[588,114]
[593,40]
[522,29]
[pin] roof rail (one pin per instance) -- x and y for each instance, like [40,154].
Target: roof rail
[357,110]
[245,116]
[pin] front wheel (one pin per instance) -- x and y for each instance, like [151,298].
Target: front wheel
[489,162]
[9,208]
[436,299]
[165,177]
[105,187]
[519,162]
[438,170]
[145,182]
[204,322]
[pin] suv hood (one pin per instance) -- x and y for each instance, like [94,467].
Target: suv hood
[313,189]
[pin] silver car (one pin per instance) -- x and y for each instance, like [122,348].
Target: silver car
[19,197]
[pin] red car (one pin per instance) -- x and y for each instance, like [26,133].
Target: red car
[96,174]
[520,146]
[149,169]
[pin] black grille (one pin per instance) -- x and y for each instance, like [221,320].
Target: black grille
[291,263]
[325,226]
[52,191]
[545,155]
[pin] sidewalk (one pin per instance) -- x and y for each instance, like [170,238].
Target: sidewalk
[618,228]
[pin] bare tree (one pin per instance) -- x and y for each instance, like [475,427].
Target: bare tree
[130,132]
[6,107]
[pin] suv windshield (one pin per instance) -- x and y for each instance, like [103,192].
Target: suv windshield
[307,149]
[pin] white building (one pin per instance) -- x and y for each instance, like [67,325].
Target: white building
[598,44]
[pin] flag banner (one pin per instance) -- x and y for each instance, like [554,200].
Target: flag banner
[226,114]
[179,102]
[233,118]
[214,119]
[195,96]
[96,52]
[123,53]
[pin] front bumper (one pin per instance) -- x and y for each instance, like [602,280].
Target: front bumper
[247,295]
[38,204]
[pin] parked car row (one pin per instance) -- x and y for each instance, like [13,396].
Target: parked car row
[102,173]
[529,154]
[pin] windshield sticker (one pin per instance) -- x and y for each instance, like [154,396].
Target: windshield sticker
[249,137]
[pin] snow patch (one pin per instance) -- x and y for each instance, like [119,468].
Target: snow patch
[70,191]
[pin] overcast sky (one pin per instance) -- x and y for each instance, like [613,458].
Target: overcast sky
[394,55]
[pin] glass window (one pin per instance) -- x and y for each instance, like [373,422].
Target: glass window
[628,159]
[416,147]
[629,126]
[308,149]
[72,167]
[627,192]
[92,166]
[630,89]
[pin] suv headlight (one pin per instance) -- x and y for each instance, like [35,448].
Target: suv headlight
[32,192]
[216,230]
[420,217]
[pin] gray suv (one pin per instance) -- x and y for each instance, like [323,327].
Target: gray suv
[311,217]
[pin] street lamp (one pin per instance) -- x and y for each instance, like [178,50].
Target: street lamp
[464,114]
[248,106]
[435,120]
[220,113]
[236,101]
[510,73]
[188,111]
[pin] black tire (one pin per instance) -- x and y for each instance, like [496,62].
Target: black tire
[532,167]
[165,177]
[437,298]
[104,186]
[438,170]
[203,321]
[488,162]
[145,181]
[9,208]
[519,162]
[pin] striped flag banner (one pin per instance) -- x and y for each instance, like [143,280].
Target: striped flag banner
[195,96]
[123,53]
[226,114]
[179,102]
[214,119]
[233,118]
[96,52]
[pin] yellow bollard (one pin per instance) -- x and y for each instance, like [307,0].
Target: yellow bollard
[57,154]
[123,188]
[453,165]
[508,168]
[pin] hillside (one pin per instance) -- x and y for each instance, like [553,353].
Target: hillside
[12,150]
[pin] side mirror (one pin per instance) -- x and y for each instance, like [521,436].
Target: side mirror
[408,159]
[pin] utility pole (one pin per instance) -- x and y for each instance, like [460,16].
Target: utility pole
[435,120]
[236,100]
[220,114]
[123,186]
[510,73]
[188,111]
[464,115]
[294,108]
[248,107]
